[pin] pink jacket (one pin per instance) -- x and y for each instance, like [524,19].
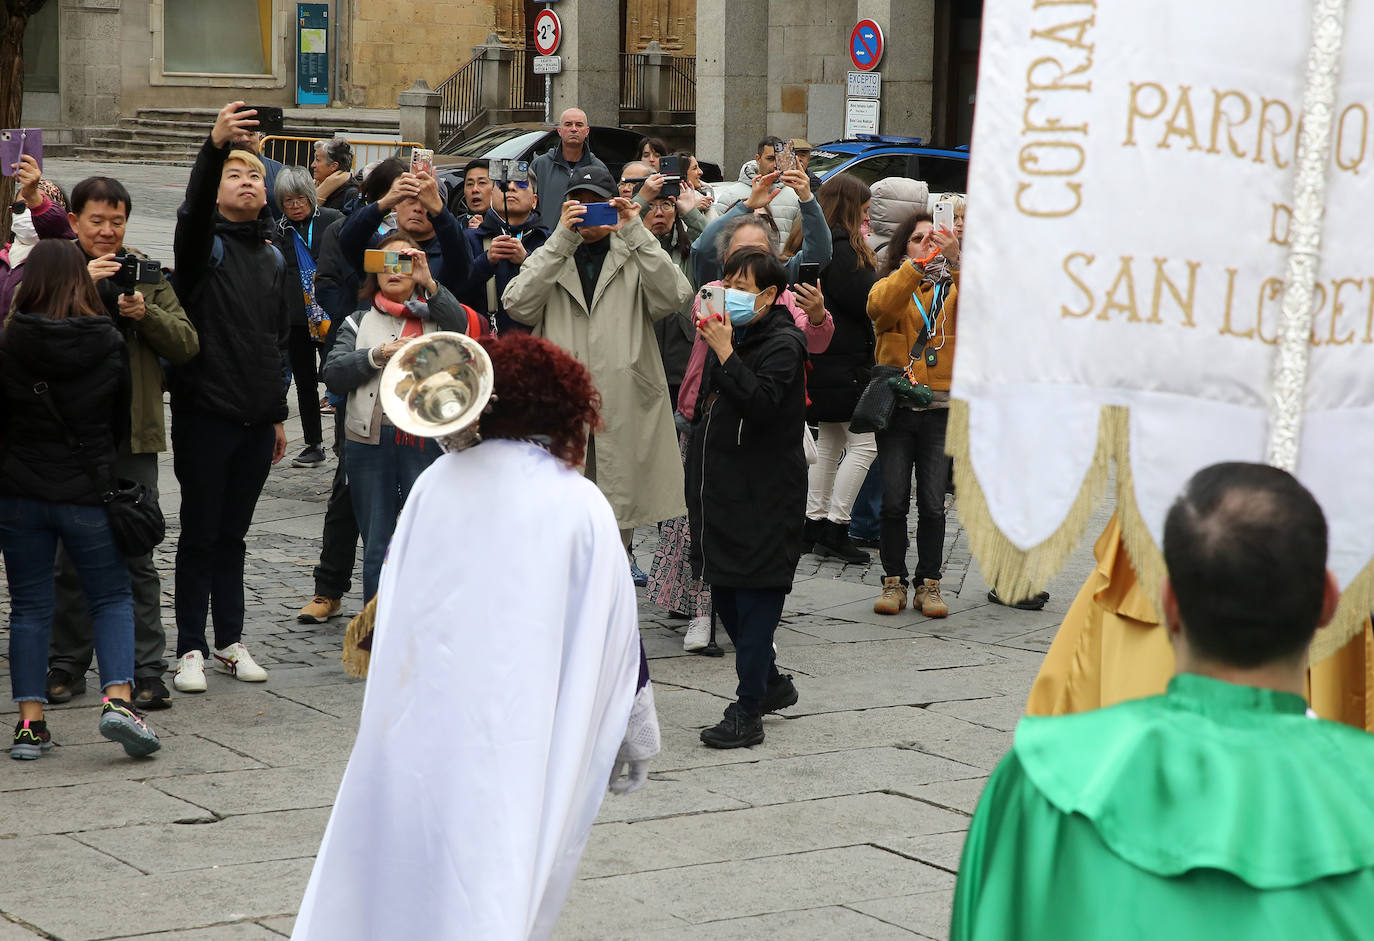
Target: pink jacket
[817,339]
[50,221]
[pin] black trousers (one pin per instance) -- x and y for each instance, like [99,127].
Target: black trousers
[339,547]
[751,616]
[913,441]
[305,355]
[221,466]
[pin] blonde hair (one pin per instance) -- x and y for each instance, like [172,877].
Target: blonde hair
[960,203]
[250,160]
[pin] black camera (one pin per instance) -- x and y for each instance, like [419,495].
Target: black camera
[134,271]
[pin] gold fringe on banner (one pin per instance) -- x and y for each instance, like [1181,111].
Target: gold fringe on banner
[356,660]
[1020,573]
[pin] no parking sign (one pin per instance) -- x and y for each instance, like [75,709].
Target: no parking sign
[866,45]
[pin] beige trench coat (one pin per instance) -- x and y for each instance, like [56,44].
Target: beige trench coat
[638,464]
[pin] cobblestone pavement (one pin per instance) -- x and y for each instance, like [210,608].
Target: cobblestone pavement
[847,822]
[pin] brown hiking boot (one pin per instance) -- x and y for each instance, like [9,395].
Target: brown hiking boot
[893,598]
[319,610]
[928,600]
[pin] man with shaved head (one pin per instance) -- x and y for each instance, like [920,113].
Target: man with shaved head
[555,168]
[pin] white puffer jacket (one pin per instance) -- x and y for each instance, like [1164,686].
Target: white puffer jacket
[785,206]
[895,198]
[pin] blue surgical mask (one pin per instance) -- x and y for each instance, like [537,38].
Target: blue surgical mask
[739,306]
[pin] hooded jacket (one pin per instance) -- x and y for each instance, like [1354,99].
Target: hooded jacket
[86,367]
[484,276]
[895,198]
[232,282]
[50,222]
[746,471]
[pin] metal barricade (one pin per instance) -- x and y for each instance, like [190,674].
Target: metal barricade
[299,151]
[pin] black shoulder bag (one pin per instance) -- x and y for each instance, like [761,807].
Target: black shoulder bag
[136,521]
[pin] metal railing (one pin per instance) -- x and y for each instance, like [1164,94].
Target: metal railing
[682,84]
[635,77]
[299,151]
[632,68]
[460,97]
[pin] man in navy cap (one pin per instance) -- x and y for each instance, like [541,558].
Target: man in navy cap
[595,290]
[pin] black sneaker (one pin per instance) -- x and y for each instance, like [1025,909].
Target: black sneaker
[1035,603]
[151,693]
[834,541]
[31,739]
[120,723]
[739,729]
[312,456]
[62,685]
[781,693]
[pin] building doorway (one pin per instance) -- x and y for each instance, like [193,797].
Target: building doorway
[958,35]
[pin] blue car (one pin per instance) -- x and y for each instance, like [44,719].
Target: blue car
[871,158]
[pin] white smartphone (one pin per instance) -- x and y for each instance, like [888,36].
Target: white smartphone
[944,216]
[712,302]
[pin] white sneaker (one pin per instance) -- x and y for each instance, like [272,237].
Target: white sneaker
[698,635]
[235,661]
[190,676]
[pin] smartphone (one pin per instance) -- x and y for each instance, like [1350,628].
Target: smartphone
[15,142]
[944,216]
[269,118]
[421,160]
[809,273]
[712,303]
[510,171]
[787,158]
[377,261]
[670,167]
[600,214]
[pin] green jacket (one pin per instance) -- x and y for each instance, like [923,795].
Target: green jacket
[165,332]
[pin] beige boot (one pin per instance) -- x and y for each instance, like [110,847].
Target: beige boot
[893,598]
[929,601]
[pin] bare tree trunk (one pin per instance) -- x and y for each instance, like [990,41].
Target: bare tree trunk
[14,17]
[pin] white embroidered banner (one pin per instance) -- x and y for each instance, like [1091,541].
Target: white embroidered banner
[1130,202]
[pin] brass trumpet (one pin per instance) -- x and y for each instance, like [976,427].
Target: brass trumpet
[437,386]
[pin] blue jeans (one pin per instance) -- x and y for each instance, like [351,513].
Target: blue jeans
[379,478]
[29,533]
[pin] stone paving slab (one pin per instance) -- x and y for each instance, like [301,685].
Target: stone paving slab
[247,792]
[248,838]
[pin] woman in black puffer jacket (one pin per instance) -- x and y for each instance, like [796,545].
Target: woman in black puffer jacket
[64,376]
[838,376]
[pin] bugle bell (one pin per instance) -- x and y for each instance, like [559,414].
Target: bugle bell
[437,385]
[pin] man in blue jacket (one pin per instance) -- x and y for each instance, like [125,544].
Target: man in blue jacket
[509,232]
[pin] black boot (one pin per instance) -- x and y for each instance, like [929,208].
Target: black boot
[781,693]
[810,533]
[834,541]
[739,729]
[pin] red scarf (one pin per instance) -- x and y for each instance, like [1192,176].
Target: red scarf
[412,326]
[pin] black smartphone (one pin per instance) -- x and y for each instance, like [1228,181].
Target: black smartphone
[670,167]
[270,119]
[809,273]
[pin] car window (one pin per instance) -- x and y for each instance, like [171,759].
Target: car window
[514,148]
[823,161]
[873,169]
[614,147]
[943,174]
[486,139]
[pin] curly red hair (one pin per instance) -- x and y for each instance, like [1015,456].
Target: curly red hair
[539,389]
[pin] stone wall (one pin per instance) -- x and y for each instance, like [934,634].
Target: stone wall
[395,42]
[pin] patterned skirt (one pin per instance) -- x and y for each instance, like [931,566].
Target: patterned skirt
[671,584]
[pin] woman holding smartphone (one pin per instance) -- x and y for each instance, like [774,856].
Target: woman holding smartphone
[66,393]
[840,373]
[383,461]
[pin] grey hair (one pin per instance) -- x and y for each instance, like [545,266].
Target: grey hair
[727,233]
[337,150]
[295,181]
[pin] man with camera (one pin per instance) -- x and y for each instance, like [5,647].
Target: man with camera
[508,233]
[229,402]
[566,159]
[595,289]
[140,300]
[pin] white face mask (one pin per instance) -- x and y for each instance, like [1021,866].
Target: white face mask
[24,232]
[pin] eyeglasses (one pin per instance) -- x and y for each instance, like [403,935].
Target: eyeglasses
[296,201]
[661,205]
[519,184]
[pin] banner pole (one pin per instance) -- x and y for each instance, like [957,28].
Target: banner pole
[1309,201]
